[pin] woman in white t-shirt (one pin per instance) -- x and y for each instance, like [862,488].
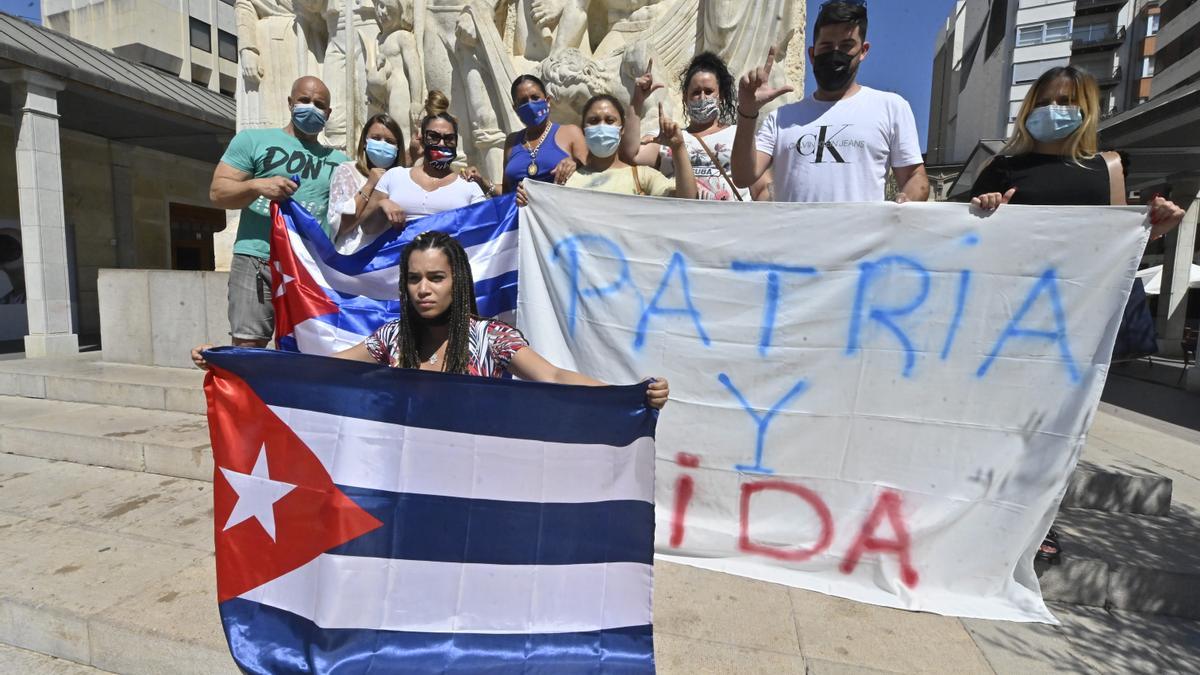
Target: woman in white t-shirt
[352,183]
[407,194]
[708,101]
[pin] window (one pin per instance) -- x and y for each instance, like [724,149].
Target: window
[229,2]
[201,35]
[1014,107]
[997,26]
[1032,70]
[227,47]
[1148,66]
[1152,25]
[1043,33]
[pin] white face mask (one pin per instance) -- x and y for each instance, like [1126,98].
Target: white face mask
[703,110]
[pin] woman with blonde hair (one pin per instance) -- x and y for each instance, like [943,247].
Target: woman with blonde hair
[1052,160]
[1052,157]
[350,188]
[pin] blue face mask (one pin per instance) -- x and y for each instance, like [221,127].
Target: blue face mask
[533,113]
[308,118]
[602,139]
[1053,122]
[381,153]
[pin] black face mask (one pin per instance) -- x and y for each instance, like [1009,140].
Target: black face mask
[834,70]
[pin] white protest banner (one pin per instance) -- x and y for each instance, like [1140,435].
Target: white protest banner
[877,401]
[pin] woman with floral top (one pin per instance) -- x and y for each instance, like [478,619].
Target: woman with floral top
[439,328]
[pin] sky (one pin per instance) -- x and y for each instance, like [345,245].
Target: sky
[26,9]
[901,33]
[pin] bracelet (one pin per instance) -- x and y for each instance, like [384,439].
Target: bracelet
[749,117]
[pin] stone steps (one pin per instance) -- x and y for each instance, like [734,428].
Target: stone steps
[134,439]
[1148,564]
[25,662]
[87,379]
[108,568]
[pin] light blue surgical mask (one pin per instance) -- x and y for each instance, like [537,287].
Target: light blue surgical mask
[602,139]
[381,153]
[1053,122]
[308,118]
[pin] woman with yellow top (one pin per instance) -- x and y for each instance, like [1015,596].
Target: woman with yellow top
[603,118]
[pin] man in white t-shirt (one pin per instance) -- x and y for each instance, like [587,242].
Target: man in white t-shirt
[838,144]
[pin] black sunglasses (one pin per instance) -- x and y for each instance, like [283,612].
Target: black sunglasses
[433,137]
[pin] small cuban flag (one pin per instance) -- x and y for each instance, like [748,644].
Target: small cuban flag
[326,302]
[383,520]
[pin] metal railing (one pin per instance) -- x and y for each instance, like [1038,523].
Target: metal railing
[1098,34]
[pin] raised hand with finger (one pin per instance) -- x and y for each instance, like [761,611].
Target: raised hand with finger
[643,87]
[755,90]
[668,130]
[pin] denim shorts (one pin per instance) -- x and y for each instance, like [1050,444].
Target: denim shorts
[251,315]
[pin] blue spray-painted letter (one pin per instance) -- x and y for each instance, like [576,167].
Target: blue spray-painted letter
[1048,284]
[677,263]
[568,250]
[762,421]
[869,272]
[772,302]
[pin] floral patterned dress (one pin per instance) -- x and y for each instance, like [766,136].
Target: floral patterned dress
[493,344]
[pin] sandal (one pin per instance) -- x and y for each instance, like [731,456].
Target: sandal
[1050,551]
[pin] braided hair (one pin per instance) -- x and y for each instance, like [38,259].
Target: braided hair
[462,304]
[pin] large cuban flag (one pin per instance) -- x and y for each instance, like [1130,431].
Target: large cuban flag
[379,520]
[326,302]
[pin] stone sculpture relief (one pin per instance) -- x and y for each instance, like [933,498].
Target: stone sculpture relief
[390,53]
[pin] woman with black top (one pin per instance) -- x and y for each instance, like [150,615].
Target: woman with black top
[1051,160]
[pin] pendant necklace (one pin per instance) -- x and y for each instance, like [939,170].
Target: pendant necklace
[533,151]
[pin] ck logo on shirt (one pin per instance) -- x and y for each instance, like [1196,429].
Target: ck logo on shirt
[826,143]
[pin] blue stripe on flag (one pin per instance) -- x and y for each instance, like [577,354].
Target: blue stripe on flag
[498,294]
[470,225]
[501,532]
[459,403]
[266,641]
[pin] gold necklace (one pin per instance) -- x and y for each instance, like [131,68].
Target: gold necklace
[533,151]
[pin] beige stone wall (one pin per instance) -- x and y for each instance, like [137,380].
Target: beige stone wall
[157,180]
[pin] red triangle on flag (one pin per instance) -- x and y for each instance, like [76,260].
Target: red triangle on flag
[295,294]
[265,478]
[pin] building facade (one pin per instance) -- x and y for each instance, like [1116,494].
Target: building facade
[195,40]
[989,53]
[103,163]
[1177,49]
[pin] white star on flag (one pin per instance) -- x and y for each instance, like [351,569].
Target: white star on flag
[286,280]
[257,494]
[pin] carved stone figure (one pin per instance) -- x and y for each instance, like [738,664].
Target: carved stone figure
[743,32]
[397,83]
[392,52]
[271,49]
